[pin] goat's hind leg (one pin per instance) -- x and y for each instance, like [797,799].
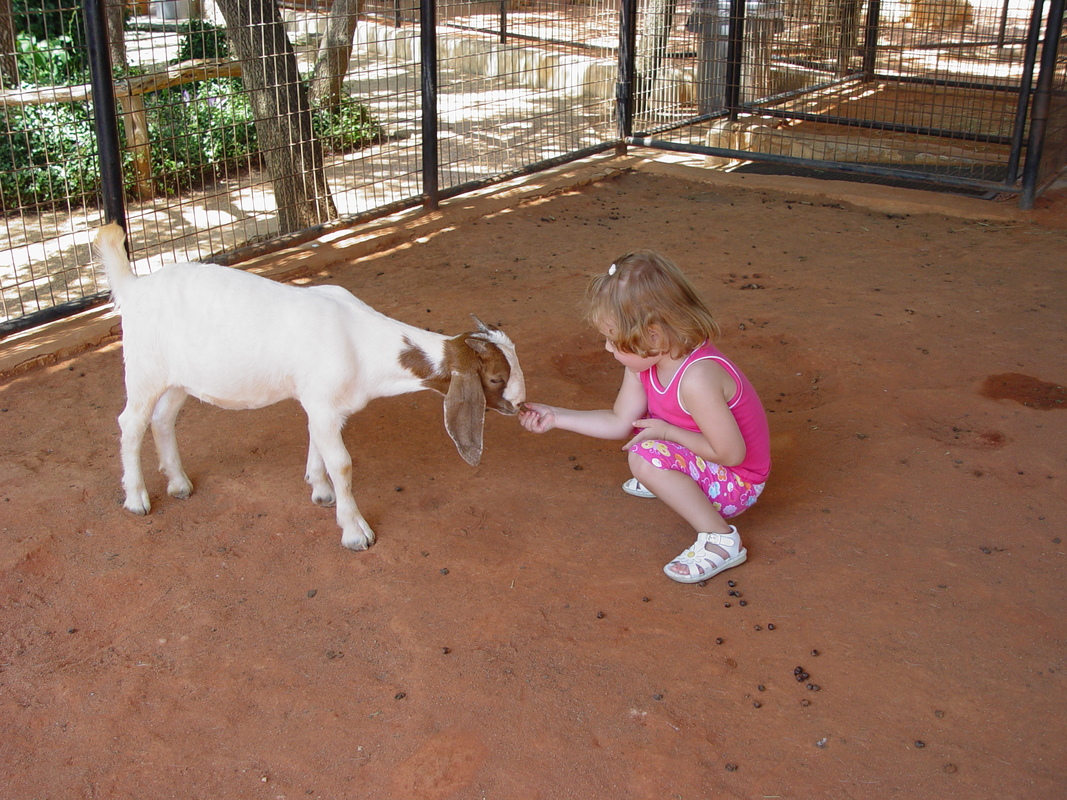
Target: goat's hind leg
[315,474]
[133,424]
[164,418]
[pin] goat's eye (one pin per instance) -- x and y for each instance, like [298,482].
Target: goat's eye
[496,381]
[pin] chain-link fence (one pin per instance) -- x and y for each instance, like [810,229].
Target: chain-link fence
[239,122]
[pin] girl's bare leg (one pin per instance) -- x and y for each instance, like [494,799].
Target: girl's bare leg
[682,494]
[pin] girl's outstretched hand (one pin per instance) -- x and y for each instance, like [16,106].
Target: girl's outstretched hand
[537,418]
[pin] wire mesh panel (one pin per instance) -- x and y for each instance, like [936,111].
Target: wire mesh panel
[243,120]
[231,136]
[924,87]
[48,174]
[522,82]
[927,85]
[191,148]
[383,74]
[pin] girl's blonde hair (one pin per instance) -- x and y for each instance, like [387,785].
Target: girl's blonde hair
[642,289]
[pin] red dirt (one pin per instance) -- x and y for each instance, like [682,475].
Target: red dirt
[511,635]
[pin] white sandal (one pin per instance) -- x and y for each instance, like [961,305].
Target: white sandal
[634,487]
[700,564]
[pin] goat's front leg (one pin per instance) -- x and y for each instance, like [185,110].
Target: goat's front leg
[315,474]
[170,463]
[325,429]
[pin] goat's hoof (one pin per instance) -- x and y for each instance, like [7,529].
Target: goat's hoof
[324,500]
[139,506]
[358,541]
[180,489]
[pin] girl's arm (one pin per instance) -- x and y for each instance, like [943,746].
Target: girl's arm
[614,423]
[706,389]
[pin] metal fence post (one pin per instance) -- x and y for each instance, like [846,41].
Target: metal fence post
[1026,88]
[735,49]
[105,115]
[1039,112]
[870,39]
[430,156]
[624,84]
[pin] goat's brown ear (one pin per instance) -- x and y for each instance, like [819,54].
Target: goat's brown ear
[477,345]
[465,415]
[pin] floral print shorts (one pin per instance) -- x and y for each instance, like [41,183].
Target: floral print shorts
[728,493]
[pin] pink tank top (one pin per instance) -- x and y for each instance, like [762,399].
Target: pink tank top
[665,403]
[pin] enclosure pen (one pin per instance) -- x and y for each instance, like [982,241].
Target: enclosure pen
[296,496]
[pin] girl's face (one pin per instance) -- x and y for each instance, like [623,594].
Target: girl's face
[631,361]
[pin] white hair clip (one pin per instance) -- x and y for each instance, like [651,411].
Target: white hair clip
[611,270]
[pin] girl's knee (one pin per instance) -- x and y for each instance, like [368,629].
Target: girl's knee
[642,467]
[637,462]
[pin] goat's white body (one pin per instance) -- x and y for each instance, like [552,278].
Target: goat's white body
[239,341]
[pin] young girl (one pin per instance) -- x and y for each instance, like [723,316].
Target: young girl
[700,440]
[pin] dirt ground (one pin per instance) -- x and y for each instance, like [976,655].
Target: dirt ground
[511,635]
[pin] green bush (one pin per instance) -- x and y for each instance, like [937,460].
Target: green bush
[52,25]
[197,134]
[206,131]
[201,39]
[348,127]
[47,157]
[47,62]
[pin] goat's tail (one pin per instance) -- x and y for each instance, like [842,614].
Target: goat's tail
[111,250]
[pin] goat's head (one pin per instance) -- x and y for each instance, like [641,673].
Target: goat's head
[480,370]
[498,367]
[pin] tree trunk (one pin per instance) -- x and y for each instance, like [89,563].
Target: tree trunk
[282,114]
[335,52]
[9,73]
[116,26]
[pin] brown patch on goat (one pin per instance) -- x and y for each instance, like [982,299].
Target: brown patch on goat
[415,361]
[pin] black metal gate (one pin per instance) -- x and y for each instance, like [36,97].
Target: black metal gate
[952,93]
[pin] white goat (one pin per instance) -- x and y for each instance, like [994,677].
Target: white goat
[237,340]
